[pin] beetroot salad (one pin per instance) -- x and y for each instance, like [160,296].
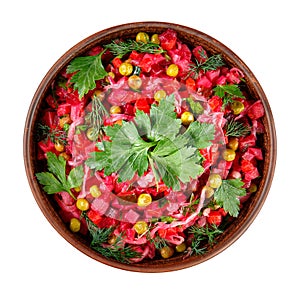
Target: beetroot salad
[150,147]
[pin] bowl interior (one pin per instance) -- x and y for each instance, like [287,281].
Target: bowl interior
[190,37]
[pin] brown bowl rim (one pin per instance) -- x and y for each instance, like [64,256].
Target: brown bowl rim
[172,264]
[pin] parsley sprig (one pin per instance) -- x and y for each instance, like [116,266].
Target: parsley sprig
[228,92]
[227,195]
[86,69]
[154,140]
[56,180]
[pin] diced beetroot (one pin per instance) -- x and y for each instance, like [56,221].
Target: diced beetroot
[66,198]
[181,56]
[200,54]
[203,82]
[100,206]
[116,62]
[51,101]
[221,80]
[68,95]
[107,222]
[129,109]
[47,146]
[135,57]
[252,174]
[182,52]
[214,217]
[259,127]
[250,170]
[215,103]
[256,110]
[94,216]
[63,109]
[253,153]
[50,119]
[234,76]
[168,39]
[95,51]
[146,63]
[131,216]
[213,75]
[142,104]
[247,166]
[190,83]
[248,141]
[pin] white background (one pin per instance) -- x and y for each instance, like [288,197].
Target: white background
[36,263]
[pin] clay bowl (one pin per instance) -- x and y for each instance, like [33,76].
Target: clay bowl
[191,37]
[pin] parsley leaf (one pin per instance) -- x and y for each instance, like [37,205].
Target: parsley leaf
[228,92]
[55,180]
[154,139]
[87,70]
[227,195]
[200,134]
[163,119]
[143,123]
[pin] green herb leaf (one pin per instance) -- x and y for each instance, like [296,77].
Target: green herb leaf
[120,48]
[95,117]
[51,184]
[200,134]
[202,236]
[143,123]
[87,70]
[154,139]
[227,195]
[212,63]
[236,129]
[165,124]
[228,92]
[100,244]
[54,134]
[101,160]
[57,165]
[55,180]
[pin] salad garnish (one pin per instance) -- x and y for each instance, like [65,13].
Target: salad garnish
[206,234]
[205,64]
[87,70]
[56,180]
[154,139]
[121,48]
[236,129]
